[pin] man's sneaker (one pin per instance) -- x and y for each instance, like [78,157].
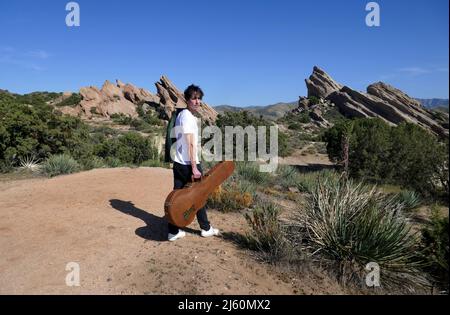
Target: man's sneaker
[212,231]
[174,237]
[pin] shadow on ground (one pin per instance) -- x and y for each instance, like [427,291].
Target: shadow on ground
[156,227]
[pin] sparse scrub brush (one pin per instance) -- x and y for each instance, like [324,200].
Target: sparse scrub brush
[59,165]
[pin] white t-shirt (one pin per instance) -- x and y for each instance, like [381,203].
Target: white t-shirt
[184,124]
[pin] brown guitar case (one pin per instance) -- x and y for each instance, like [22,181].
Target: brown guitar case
[181,205]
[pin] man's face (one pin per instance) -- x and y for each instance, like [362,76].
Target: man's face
[194,102]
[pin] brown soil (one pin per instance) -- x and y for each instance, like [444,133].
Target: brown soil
[109,221]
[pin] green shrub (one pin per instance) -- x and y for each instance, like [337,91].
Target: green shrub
[245,119]
[131,148]
[121,119]
[113,162]
[266,233]
[93,162]
[354,225]
[313,100]
[410,199]
[287,176]
[250,171]
[60,164]
[154,163]
[307,182]
[36,130]
[295,126]
[72,100]
[435,244]
[406,155]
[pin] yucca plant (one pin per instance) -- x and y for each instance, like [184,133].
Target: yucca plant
[60,164]
[287,176]
[29,163]
[410,199]
[354,224]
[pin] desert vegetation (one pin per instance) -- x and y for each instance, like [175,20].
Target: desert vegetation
[59,144]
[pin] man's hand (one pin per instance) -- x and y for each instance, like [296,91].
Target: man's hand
[196,173]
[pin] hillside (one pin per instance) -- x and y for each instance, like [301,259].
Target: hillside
[272,112]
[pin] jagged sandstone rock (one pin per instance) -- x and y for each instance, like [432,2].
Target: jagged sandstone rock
[320,84]
[171,98]
[381,100]
[123,98]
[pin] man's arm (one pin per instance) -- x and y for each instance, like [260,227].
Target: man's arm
[192,154]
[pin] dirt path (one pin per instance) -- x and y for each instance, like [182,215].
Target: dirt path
[109,221]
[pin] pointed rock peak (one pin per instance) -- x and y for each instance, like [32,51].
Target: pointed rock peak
[320,84]
[120,83]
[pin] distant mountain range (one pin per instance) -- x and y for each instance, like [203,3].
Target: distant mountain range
[435,104]
[278,110]
[272,112]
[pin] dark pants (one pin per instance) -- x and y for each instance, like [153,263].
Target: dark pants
[181,176]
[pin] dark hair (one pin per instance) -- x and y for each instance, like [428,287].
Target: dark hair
[191,90]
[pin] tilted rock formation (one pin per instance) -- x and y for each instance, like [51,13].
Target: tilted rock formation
[171,98]
[381,100]
[137,95]
[320,84]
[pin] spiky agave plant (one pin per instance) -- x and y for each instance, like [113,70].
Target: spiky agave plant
[354,224]
[29,162]
[410,199]
[59,165]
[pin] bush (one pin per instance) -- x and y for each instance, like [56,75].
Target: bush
[435,245]
[354,225]
[131,148]
[233,196]
[406,155]
[245,119]
[409,199]
[266,233]
[113,162]
[287,176]
[72,100]
[307,182]
[37,131]
[59,165]
[313,100]
[250,171]
[121,119]
[154,163]
[93,162]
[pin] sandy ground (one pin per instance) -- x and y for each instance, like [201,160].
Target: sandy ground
[109,221]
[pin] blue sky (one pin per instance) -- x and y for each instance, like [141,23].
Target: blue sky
[241,52]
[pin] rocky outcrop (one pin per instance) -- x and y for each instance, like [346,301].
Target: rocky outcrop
[381,100]
[320,84]
[316,115]
[109,100]
[171,98]
[137,95]
[123,98]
